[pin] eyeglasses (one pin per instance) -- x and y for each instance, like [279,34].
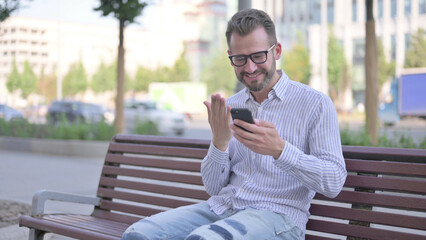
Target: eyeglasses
[257,57]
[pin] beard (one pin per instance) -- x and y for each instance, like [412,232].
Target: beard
[259,86]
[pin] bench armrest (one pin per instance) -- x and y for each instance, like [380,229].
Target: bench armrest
[41,196]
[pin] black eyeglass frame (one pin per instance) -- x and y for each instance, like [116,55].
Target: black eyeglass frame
[251,57]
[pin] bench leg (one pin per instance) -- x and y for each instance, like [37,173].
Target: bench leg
[36,234]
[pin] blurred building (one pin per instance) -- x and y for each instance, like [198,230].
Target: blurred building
[396,21]
[194,26]
[53,46]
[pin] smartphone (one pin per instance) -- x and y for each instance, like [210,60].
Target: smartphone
[243,114]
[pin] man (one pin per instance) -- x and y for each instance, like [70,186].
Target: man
[261,181]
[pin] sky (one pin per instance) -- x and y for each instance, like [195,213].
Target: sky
[78,11]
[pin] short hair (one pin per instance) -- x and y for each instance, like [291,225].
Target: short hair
[246,21]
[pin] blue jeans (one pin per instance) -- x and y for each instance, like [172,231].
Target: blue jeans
[198,222]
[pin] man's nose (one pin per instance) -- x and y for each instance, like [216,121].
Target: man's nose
[250,66]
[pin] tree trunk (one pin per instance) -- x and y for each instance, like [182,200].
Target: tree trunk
[119,100]
[371,86]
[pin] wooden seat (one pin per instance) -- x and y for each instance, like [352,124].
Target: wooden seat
[383,197]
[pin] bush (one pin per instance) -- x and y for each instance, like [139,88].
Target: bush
[361,138]
[62,130]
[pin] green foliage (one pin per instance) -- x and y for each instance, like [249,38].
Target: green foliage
[146,128]
[8,7]
[28,80]
[25,81]
[181,70]
[47,86]
[361,138]
[63,130]
[105,78]
[385,69]
[416,54]
[336,63]
[296,62]
[124,10]
[219,74]
[75,81]
[13,79]
[143,77]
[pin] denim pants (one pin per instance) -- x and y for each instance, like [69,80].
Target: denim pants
[198,222]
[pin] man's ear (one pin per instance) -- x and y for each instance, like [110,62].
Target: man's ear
[278,51]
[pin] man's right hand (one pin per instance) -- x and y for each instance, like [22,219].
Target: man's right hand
[219,120]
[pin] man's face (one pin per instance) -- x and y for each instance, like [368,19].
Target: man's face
[254,76]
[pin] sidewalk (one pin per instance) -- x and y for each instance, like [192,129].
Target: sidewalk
[24,173]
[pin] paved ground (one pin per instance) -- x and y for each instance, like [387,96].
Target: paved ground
[22,174]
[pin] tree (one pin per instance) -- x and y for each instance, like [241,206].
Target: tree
[47,86]
[125,11]
[103,80]
[219,74]
[25,81]
[336,64]
[143,77]
[75,81]
[28,80]
[371,75]
[296,62]
[7,7]
[385,69]
[416,55]
[13,79]
[181,70]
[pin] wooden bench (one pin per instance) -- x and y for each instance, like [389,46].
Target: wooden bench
[383,198]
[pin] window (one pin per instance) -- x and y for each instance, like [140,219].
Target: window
[393,8]
[330,11]
[315,11]
[354,11]
[422,6]
[407,8]
[393,46]
[380,9]
[407,41]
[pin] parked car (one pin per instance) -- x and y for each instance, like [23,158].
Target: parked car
[75,111]
[9,114]
[167,121]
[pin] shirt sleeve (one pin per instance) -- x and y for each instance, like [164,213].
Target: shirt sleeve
[323,168]
[215,169]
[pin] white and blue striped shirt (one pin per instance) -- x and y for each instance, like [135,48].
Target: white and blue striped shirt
[310,162]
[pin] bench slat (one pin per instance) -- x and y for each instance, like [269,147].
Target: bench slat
[161,140]
[153,162]
[141,198]
[164,176]
[127,208]
[383,167]
[379,200]
[155,188]
[358,231]
[89,223]
[156,150]
[115,216]
[369,216]
[67,230]
[383,183]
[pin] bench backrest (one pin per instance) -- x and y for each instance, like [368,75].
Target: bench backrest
[144,175]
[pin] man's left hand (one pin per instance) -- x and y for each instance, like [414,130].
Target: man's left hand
[263,138]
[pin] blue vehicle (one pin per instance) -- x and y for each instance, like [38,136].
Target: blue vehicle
[407,97]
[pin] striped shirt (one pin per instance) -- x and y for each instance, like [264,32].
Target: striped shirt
[310,162]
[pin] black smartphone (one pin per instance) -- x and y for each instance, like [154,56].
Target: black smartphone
[243,114]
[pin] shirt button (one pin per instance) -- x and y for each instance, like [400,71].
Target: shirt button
[251,181]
